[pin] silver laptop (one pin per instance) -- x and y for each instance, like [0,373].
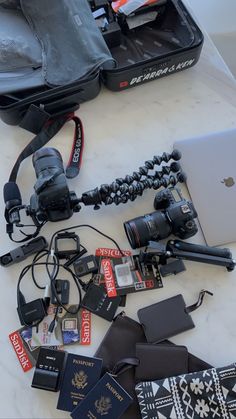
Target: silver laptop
[210,164]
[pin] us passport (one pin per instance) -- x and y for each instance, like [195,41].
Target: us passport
[80,375]
[106,400]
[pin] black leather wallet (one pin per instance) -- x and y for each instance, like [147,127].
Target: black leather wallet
[160,361]
[167,318]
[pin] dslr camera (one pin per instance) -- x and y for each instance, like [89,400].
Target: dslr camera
[52,200]
[173,215]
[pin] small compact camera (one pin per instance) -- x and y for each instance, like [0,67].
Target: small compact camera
[173,215]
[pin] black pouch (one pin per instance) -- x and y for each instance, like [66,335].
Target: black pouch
[119,346]
[120,343]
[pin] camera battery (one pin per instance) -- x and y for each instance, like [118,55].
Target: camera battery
[172,268]
[63,289]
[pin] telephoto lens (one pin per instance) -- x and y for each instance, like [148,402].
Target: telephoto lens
[52,200]
[47,159]
[174,215]
[150,227]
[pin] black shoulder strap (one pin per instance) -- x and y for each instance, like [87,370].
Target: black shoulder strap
[199,302]
[50,129]
[123,365]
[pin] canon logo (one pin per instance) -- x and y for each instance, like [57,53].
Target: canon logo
[76,154]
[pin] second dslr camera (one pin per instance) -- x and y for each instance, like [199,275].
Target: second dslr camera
[173,215]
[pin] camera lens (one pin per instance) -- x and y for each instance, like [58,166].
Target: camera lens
[141,230]
[52,199]
[5,260]
[47,158]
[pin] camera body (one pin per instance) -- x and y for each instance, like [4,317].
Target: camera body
[173,215]
[179,212]
[52,200]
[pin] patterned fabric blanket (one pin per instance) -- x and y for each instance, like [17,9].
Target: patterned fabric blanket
[207,394]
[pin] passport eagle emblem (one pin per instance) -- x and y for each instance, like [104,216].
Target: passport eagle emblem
[80,380]
[103,405]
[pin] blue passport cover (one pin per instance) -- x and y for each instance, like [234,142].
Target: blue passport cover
[80,376]
[106,400]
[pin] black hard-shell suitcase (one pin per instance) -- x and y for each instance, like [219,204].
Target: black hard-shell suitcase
[30,109]
[172,43]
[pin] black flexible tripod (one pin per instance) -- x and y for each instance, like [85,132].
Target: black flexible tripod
[177,249]
[119,191]
[132,186]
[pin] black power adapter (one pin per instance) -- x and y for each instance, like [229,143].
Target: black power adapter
[32,312]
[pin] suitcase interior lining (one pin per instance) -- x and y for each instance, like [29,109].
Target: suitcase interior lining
[169,33]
